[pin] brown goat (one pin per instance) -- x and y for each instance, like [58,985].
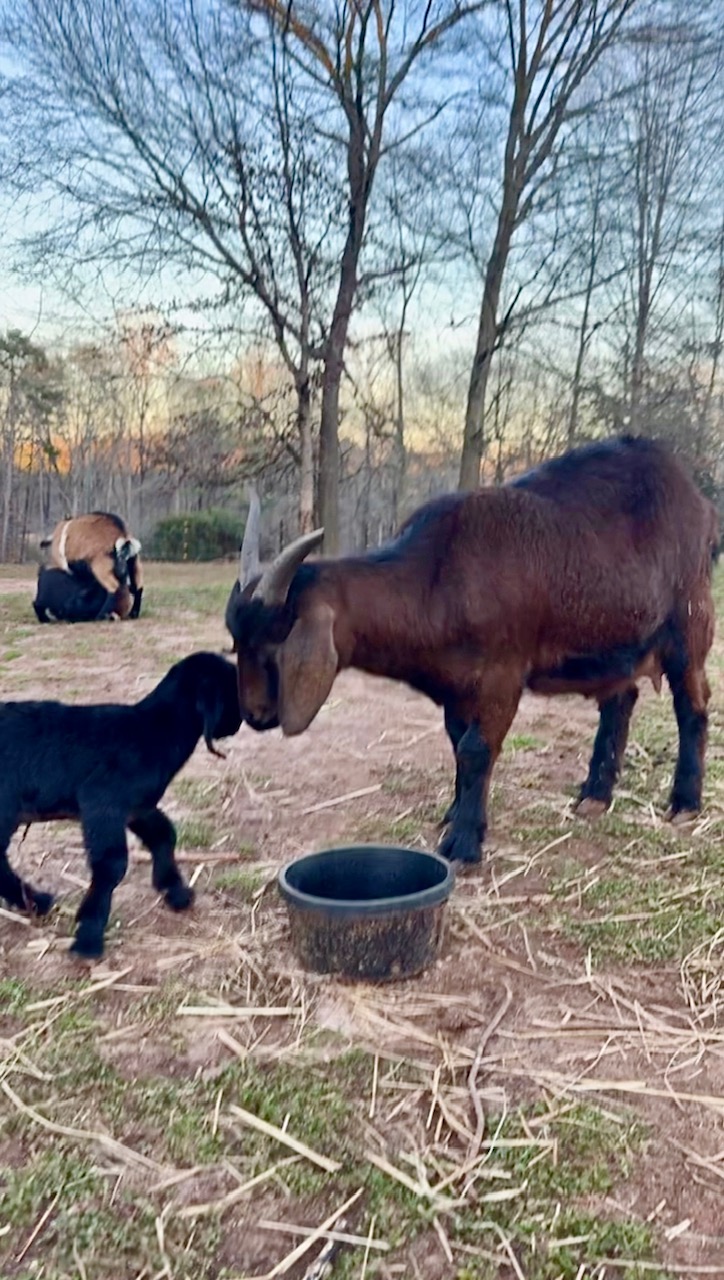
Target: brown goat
[103,542]
[582,576]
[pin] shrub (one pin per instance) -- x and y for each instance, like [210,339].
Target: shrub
[202,535]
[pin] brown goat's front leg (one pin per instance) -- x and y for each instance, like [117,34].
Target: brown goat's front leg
[463,841]
[477,751]
[455,728]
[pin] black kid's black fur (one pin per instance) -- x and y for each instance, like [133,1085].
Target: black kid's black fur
[109,766]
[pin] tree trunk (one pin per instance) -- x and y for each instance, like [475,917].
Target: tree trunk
[7,499]
[306,459]
[637,363]
[474,438]
[583,337]
[361,167]
[328,482]
[400,481]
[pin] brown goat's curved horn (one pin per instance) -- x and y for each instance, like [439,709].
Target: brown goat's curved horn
[249,556]
[274,582]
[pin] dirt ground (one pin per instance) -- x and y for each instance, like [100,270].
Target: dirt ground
[581,967]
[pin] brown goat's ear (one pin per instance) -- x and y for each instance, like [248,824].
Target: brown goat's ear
[307,667]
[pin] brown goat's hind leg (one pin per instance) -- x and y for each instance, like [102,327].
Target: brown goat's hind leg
[610,743]
[691,696]
[158,834]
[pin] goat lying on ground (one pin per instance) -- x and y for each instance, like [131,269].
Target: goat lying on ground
[72,596]
[104,543]
[109,767]
[582,576]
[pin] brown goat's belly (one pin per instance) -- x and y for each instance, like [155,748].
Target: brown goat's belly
[598,682]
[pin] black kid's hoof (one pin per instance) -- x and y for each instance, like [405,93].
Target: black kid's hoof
[179,898]
[87,946]
[40,903]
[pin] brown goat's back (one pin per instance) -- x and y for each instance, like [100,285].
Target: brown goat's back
[593,555]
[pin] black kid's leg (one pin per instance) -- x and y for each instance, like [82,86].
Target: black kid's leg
[107,851]
[158,834]
[18,893]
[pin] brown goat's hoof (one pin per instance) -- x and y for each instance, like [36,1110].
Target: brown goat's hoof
[682,817]
[447,818]
[589,807]
[460,846]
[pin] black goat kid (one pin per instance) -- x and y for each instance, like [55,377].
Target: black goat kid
[109,766]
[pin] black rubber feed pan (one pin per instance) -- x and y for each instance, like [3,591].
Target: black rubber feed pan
[373,912]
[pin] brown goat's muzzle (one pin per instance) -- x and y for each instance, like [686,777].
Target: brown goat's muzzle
[258,692]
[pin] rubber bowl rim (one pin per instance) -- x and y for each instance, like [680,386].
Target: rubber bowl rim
[430,897]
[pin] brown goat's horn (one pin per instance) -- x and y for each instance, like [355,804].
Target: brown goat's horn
[274,582]
[249,556]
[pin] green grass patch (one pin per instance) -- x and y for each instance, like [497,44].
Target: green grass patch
[244,881]
[95,1218]
[195,833]
[522,742]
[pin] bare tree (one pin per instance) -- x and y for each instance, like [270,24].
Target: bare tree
[360,58]
[552,48]
[669,146]
[28,396]
[196,135]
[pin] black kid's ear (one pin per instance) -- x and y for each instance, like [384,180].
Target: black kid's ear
[210,703]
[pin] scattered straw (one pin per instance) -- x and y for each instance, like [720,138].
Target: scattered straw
[216,1207]
[368,1246]
[288,1262]
[489,1031]
[272,1131]
[702,978]
[342,1237]
[114,1148]
[38,1227]
[442,1203]
[237,1011]
[681,1268]
[710,1101]
[323,1264]
[349,795]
